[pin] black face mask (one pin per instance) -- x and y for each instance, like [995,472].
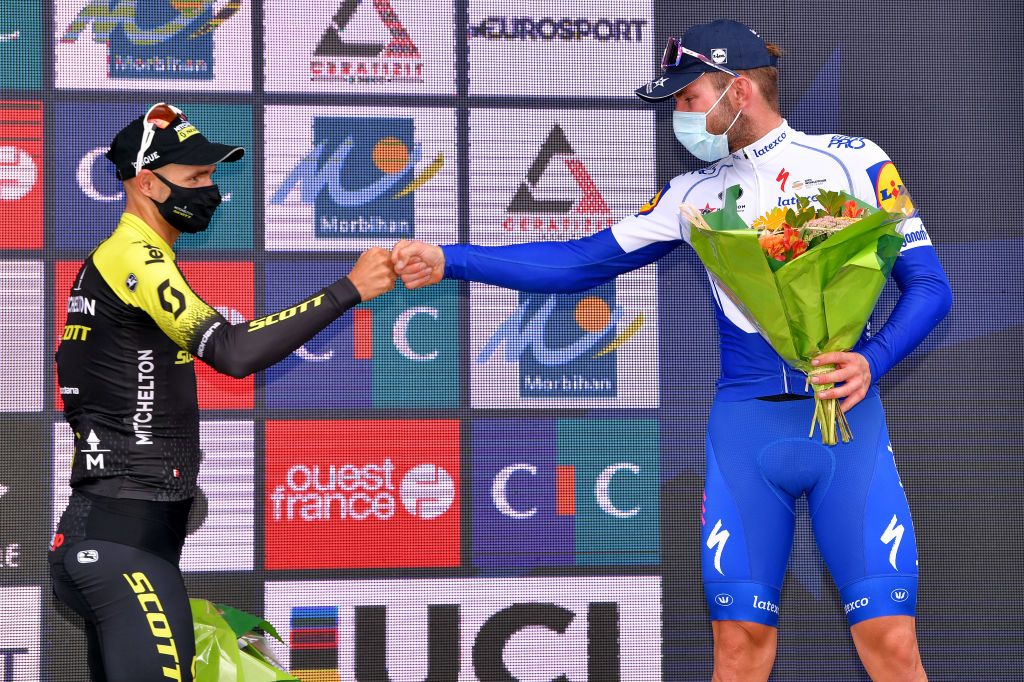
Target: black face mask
[188,209]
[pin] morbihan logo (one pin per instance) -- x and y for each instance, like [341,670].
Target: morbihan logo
[856,604]
[724,599]
[899,596]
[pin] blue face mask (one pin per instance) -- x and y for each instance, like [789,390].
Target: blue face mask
[691,130]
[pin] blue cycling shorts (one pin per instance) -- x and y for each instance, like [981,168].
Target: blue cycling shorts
[759,461]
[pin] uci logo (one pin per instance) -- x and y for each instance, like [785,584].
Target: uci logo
[723,599]
[899,596]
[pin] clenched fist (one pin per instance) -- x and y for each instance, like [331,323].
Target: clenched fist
[418,264]
[373,274]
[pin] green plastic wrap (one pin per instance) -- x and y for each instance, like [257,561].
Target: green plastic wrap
[815,303]
[221,656]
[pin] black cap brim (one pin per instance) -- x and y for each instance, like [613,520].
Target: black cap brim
[202,154]
[670,82]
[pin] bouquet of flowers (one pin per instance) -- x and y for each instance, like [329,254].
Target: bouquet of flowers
[808,277]
[230,648]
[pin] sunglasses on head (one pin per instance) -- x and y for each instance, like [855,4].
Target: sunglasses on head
[160,116]
[674,52]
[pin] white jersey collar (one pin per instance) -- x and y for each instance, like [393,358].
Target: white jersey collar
[768,146]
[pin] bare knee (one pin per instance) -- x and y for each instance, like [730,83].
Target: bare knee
[888,648]
[743,650]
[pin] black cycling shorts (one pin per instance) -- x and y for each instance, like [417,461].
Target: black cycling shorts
[137,616]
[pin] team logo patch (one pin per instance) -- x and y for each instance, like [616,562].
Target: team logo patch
[653,203]
[890,193]
[131,282]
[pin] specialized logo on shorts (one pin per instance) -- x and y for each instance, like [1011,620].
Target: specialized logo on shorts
[151,39]
[371,494]
[567,492]
[564,344]
[360,176]
[577,210]
[716,541]
[341,56]
[894,534]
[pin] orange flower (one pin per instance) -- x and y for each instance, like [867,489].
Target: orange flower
[851,210]
[783,246]
[774,246]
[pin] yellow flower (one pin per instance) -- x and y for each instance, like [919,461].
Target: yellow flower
[772,220]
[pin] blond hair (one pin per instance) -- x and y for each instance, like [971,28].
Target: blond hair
[765,78]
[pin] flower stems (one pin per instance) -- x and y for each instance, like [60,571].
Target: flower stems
[827,413]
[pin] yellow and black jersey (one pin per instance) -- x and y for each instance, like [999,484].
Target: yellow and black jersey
[125,362]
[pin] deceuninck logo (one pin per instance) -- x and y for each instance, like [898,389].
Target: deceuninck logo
[557,198]
[163,39]
[360,176]
[565,345]
[400,350]
[346,54]
[564,493]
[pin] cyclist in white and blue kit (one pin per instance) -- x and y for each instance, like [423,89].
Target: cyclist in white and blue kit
[724,81]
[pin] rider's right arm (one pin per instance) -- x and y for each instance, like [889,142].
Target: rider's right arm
[237,350]
[577,265]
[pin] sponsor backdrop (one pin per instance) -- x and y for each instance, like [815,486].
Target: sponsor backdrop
[468,483]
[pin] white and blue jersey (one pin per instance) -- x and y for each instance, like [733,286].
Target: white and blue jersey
[853,487]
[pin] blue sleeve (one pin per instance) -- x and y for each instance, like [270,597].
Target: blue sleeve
[550,267]
[925,298]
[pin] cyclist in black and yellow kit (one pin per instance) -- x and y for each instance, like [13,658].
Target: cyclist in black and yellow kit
[126,373]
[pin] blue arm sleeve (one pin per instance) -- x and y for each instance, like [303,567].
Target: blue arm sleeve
[925,298]
[550,267]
